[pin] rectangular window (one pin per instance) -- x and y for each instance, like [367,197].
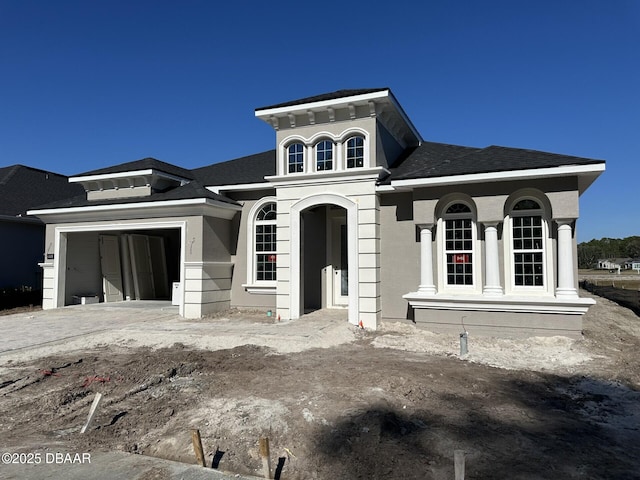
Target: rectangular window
[528,252]
[266,252]
[459,251]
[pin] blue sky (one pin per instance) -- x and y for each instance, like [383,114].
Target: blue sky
[88,84]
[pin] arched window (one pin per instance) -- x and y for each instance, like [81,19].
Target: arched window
[459,239]
[355,152]
[265,243]
[528,242]
[324,156]
[296,157]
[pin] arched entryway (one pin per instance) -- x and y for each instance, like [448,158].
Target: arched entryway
[324,255]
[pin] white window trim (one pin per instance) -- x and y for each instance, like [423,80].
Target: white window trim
[547,289]
[365,162]
[334,148]
[443,286]
[254,286]
[339,152]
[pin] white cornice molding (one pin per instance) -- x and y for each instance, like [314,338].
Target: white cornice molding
[134,173]
[400,185]
[131,210]
[303,107]
[321,178]
[240,187]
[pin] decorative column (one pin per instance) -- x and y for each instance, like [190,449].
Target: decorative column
[427,287]
[492,284]
[566,282]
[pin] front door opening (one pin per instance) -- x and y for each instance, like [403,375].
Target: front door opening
[324,273]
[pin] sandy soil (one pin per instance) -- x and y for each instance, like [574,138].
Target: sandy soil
[394,403]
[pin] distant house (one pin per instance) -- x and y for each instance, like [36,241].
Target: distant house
[351,210]
[635,264]
[21,235]
[613,263]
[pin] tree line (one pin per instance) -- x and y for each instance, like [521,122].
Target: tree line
[590,252]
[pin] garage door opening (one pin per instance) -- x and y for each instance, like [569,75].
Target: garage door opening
[113,266]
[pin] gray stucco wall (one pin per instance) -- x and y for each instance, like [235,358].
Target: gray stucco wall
[399,254]
[240,298]
[400,242]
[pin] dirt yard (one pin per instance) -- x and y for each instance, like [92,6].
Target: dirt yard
[394,403]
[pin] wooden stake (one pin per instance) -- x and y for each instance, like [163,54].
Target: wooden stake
[458,462]
[197,446]
[92,412]
[264,453]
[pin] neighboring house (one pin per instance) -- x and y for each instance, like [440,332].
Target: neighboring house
[22,236]
[613,263]
[635,264]
[352,210]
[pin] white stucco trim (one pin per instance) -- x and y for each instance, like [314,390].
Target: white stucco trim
[60,254]
[319,178]
[303,107]
[267,288]
[352,257]
[493,176]
[133,173]
[239,187]
[506,303]
[136,205]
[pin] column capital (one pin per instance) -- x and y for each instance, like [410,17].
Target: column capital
[564,221]
[425,226]
[493,223]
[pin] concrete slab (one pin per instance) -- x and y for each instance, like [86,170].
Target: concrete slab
[113,466]
[23,330]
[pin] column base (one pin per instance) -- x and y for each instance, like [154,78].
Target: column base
[427,289]
[493,291]
[566,293]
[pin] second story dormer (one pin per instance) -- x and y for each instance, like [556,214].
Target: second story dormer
[348,132]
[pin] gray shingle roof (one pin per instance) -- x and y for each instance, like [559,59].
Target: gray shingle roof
[249,169]
[23,188]
[326,96]
[431,160]
[143,164]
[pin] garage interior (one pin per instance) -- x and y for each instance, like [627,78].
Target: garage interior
[113,266]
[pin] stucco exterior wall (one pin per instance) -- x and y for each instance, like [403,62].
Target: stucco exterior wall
[502,324]
[239,236]
[315,133]
[399,254]
[401,215]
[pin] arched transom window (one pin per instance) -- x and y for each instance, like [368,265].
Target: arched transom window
[528,244]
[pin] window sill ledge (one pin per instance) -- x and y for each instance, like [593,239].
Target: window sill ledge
[260,289]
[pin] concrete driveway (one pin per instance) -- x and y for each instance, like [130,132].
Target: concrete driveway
[24,330]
